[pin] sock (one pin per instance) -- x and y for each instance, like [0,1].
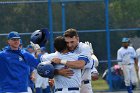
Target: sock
[129,89]
[38,90]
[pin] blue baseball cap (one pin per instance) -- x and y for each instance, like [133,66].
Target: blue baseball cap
[13,34]
[43,49]
[125,40]
[29,46]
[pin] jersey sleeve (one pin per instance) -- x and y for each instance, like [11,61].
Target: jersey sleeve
[44,58]
[3,67]
[119,57]
[85,53]
[138,52]
[47,57]
[32,61]
[90,64]
[134,53]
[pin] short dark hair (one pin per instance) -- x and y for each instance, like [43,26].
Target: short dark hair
[60,44]
[71,33]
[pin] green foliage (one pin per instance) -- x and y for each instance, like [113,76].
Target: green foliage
[79,15]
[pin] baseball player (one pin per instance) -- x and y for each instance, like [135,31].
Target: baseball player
[41,84]
[73,45]
[40,38]
[14,66]
[127,56]
[72,83]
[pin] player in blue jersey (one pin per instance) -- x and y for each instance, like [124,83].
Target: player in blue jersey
[14,66]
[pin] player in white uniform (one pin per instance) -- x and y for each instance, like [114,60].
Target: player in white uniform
[127,56]
[72,83]
[73,44]
[41,84]
[86,87]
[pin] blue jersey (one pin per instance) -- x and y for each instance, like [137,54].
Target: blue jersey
[14,70]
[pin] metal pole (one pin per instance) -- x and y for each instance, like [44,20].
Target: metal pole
[63,18]
[108,43]
[50,25]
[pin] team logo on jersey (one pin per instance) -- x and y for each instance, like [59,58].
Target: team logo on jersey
[20,58]
[47,72]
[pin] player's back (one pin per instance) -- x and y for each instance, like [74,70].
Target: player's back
[73,81]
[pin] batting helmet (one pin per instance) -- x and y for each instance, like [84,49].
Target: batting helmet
[40,36]
[45,70]
[125,40]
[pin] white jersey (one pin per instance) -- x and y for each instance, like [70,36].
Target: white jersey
[40,82]
[83,49]
[61,81]
[94,70]
[126,56]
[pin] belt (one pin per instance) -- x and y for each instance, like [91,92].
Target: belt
[69,89]
[86,81]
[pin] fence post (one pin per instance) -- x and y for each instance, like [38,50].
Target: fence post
[108,42]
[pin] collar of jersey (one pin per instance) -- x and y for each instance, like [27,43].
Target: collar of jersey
[65,53]
[9,49]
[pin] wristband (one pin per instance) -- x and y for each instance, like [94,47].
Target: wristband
[63,62]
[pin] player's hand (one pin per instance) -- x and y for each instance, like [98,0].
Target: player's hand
[96,62]
[56,60]
[51,82]
[90,45]
[95,76]
[120,65]
[35,46]
[36,49]
[32,77]
[66,72]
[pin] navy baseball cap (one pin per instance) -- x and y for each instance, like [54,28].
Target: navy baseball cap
[125,40]
[13,35]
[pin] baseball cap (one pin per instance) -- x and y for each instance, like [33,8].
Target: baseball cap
[43,49]
[29,46]
[125,40]
[13,34]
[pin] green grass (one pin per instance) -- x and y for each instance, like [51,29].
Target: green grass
[100,84]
